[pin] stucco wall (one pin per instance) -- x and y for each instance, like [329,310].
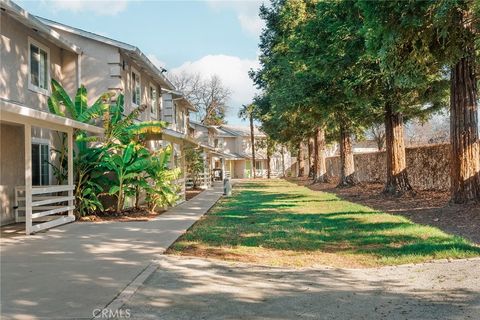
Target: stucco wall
[239,169]
[229,145]
[12,168]
[428,167]
[14,64]
[12,162]
[98,63]
[145,82]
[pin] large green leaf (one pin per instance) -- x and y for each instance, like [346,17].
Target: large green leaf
[151,127]
[118,109]
[81,101]
[54,106]
[138,166]
[130,175]
[59,93]
[128,152]
[114,190]
[95,111]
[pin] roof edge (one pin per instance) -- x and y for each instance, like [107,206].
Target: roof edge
[11,7]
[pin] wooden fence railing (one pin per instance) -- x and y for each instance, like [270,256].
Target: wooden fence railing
[48,202]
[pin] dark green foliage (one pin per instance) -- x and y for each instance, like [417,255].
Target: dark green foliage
[117,163]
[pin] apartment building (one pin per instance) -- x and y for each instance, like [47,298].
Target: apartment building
[31,55]
[112,65]
[34,51]
[228,150]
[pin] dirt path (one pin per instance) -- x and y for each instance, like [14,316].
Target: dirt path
[187,288]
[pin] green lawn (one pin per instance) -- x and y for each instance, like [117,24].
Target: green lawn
[276,222]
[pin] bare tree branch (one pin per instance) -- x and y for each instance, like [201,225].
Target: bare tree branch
[210,95]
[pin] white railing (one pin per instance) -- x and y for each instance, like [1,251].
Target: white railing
[181,184]
[45,206]
[204,181]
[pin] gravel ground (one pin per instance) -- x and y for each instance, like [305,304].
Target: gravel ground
[192,288]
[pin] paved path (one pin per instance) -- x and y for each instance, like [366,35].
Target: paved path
[192,288]
[68,272]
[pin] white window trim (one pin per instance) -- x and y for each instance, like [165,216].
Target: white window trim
[132,86]
[160,104]
[31,86]
[48,143]
[153,109]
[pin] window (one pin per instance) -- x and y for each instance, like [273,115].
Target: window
[258,165]
[40,165]
[39,71]
[153,101]
[136,92]
[215,143]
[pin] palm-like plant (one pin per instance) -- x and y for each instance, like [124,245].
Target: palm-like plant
[128,166]
[123,129]
[162,190]
[120,151]
[61,104]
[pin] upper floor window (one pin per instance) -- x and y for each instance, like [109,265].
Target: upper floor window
[153,101]
[38,63]
[215,143]
[136,89]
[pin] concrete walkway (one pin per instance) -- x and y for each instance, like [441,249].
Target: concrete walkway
[193,288]
[70,271]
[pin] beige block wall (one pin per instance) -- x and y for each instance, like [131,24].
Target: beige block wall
[428,167]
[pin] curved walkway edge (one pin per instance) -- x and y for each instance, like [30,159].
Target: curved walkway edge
[73,271]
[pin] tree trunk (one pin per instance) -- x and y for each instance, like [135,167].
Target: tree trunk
[252,141]
[347,166]
[465,150]
[137,197]
[397,177]
[268,164]
[311,156]
[320,167]
[301,160]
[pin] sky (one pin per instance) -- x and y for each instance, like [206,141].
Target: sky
[207,37]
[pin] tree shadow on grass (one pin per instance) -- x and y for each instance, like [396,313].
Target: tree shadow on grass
[285,221]
[431,207]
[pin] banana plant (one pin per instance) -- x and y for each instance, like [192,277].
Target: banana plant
[61,104]
[120,129]
[90,174]
[129,165]
[163,190]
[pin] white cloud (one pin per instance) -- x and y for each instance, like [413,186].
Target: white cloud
[234,74]
[157,62]
[247,13]
[98,7]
